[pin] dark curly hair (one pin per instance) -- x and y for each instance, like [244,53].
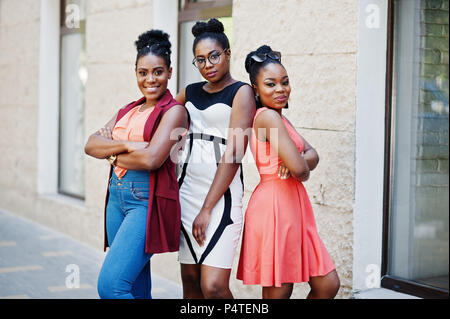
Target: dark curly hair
[213,29]
[253,67]
[155,42]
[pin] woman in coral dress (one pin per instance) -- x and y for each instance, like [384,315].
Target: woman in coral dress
[280,244]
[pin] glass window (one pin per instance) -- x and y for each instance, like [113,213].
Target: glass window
[73,76]
[419,203]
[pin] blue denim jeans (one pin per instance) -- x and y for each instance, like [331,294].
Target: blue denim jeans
[125,273]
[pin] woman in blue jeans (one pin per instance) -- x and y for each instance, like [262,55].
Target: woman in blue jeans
[142,214]
[125,224]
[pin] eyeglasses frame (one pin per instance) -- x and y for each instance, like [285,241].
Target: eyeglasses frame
[208,58]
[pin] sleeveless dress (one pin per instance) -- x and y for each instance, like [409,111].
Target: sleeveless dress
[205,146]
[280,242]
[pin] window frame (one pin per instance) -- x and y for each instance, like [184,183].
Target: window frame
[389,281]
[193,11]
[64,30]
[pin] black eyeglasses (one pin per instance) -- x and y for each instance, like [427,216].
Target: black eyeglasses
[261,57]
[213,58]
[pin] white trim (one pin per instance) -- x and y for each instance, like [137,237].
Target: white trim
[369,149]
[65,200]
[165,18]
[47,139]
[382,293]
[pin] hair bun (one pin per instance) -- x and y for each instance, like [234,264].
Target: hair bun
[248,60]
[152,37]
[264,49]
[213,26]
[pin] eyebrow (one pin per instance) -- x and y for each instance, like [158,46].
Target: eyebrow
[145,69]
[272,79]
[208,53]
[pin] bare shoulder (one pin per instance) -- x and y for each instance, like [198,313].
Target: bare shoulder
[181,96]
[268,118]
[245,90]
[176,111]
[244,97]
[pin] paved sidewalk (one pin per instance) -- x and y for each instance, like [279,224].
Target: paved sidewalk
[37,262]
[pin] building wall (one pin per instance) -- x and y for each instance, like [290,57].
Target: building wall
[318,41]
[19,73]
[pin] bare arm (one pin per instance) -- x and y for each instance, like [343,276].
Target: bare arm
[157,151]
[282,143]
[102,147]
[243,111]
[181,97]
[310,155]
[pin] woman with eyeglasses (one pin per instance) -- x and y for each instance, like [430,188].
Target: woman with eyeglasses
[280,243]
[211,187]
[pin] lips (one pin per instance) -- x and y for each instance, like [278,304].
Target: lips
[151,89]
[281,99]
[211,74]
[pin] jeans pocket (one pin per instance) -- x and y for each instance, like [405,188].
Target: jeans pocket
[140,193]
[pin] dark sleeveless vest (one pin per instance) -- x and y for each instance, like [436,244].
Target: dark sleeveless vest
[164,212]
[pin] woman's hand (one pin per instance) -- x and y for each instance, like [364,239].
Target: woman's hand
[283,172]
[105,132]
[200,224]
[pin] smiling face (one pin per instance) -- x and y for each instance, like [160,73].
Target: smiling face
[211,48]
[272,86]
[152,76]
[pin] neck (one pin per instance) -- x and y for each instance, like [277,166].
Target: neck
[148,104]
[219,85]
[151,102]
[279,111]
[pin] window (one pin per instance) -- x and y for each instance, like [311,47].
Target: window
[190,13]
[73,76]
[416,245]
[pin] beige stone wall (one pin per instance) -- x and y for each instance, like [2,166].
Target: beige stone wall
[318,42]
[19,74]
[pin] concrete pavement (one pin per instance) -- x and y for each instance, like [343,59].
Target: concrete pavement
[38,262]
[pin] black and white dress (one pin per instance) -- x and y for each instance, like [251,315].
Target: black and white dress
[205,145]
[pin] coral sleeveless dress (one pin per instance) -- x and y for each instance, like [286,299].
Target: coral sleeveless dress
[280,242]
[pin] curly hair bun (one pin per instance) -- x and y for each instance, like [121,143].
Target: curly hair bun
[248,60]
[152,37]
[213,26]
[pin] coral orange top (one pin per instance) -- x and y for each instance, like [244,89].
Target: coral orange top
[130,128]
